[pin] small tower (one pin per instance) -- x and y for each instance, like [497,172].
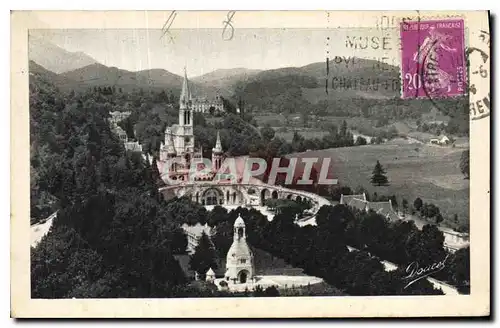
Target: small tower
[210,275]
[217,154]
[239,261]
[168,152]
[169,146]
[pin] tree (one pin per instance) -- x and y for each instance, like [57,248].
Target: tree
[418,203]
[464,163]
[378,176]
[360,141]
[271,291]
[405,205]
[429,210]
[439,218]
[459,267]
[343,129]
[336,191]
[204,256]
[267,133]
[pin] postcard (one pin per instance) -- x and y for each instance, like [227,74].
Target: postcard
[250,164]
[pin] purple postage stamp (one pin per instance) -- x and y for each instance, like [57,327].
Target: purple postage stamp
[433,58]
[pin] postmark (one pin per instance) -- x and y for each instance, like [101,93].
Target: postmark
[478,59]
[433,58]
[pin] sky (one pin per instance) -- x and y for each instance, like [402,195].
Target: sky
[205,50]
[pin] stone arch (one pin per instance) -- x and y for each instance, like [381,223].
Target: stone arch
[243,276]
[274,194]
[289,196]
[298,199]
[234,197]
[197,197]
[227,196]
[264,193]
[213,196]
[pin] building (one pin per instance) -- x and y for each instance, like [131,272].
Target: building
[202,185]
[442,142]
[212,106]
[210,275]
[360,202]
[193,234]
[239,261]
[178,148]
[133,146]
[454,240]
[122,135]
[130,145]
[117,116]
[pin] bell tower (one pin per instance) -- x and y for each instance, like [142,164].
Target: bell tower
[239,261]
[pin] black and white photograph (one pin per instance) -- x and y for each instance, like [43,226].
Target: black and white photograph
[171,162]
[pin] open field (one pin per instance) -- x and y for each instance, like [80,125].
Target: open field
[268,265]
[414,170]
[306,133]
[279,120]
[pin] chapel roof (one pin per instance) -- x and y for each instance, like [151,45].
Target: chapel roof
[239,222]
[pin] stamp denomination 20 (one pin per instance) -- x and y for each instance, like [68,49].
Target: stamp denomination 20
[433,63]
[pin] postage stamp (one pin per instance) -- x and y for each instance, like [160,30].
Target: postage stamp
[219,157]
[433,63]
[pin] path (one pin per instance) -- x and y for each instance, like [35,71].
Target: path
[389,266]
[38,230]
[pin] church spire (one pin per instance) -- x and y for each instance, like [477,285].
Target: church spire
[185,93]
[218,145]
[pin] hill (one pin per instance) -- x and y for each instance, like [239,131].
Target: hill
[154,79]
[41,77]
[293,89]
[364,79]
[55,58]
[225,79]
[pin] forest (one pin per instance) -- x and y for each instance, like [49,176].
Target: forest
[115,236]
[322,250]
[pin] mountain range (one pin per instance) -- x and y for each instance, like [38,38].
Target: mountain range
[55,58]
[72,70]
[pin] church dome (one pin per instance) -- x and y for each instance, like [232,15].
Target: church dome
[239,221]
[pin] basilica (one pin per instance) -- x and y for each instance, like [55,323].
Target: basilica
[178,147]
[179,154]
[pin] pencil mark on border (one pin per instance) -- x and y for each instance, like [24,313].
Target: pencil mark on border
[166,27]
[227,23]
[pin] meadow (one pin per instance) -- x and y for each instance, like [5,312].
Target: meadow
[414,170]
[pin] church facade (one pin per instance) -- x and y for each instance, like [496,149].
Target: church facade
[178,148]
